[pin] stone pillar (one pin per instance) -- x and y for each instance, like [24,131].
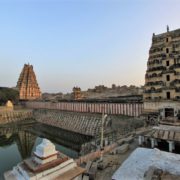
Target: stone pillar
[152,142]
[106,142]
[171,146]
[140,140]
[155,142]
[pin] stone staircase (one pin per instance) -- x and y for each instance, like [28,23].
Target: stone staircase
[83,123]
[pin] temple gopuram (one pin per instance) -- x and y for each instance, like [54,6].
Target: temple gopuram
[162,81]
[77,93]
[27,84]
[162,93]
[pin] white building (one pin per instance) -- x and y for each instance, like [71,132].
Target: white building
[142,159]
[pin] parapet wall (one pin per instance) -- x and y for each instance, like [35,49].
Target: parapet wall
[5,109]
[128,109]
[14,116]
[94,155]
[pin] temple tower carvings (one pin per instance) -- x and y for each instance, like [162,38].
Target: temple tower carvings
[27,84]
[162,80]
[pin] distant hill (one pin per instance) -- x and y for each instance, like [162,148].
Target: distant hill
[8,94]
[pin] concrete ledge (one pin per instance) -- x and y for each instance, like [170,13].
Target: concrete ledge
[121,149]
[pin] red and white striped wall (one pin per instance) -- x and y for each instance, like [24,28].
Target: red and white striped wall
[129,109]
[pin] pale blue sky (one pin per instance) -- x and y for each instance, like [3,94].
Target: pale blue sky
[81,42]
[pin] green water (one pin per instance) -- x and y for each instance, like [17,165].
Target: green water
[18,142]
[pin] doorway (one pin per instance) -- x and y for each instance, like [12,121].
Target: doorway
[169,112]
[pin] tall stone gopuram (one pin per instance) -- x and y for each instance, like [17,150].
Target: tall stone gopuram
[162,80]
[27,84]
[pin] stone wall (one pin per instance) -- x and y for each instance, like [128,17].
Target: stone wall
[14,116]
[88,123]
[94,155]
[155,106]
[160,106]
[5,109]
[128,109]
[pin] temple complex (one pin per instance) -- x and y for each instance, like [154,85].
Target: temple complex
[162,80]
[27,84]
[162,108]
[46,163]
[162,93]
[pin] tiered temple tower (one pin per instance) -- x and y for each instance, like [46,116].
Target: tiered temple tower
[27,84]
[162,80]
[77,93]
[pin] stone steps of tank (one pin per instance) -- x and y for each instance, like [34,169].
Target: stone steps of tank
[88,124]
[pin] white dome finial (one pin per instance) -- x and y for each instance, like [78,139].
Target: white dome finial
[45,148]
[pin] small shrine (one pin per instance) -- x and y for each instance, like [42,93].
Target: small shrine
[45,163]
[45,152]
[9,105]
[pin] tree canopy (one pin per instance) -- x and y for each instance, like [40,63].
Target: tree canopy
[8,94]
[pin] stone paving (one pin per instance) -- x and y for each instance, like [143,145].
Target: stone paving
[113,162]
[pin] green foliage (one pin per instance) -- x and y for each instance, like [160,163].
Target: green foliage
[8,94]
